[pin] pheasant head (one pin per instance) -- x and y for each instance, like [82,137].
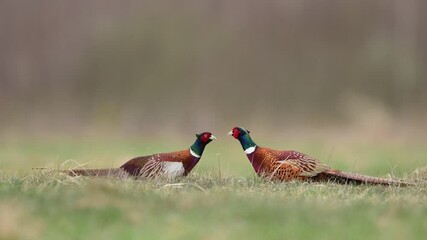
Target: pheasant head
[244,138]
[201,141]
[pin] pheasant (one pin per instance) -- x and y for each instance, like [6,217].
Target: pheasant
[292,165]
[170,165]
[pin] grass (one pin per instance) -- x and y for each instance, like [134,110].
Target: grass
[221,199]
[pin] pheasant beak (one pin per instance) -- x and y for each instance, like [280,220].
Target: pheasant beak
[230,133]
[212,137]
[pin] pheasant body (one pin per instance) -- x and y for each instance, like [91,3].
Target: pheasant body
[171,165]
[284,165]
[292,165]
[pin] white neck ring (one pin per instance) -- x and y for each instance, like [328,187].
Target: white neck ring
[250,150]
[194,154]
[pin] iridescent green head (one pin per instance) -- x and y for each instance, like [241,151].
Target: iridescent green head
[199,145]
[244,138]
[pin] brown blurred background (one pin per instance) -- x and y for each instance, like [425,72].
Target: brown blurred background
[170,67]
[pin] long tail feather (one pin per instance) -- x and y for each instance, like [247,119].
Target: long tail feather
[94,172]
[100,172]
[346,177]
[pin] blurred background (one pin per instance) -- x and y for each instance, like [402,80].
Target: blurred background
[151,69]
[156,67]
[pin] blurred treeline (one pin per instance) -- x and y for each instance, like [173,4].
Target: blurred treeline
[154,66]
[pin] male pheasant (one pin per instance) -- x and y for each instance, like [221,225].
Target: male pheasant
[292,165]
[170,165]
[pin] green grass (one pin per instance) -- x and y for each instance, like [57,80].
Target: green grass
[221,199]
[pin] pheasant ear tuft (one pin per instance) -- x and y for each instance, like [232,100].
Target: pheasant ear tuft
[248,131]
[198,135]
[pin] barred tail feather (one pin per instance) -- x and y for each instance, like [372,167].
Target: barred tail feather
[346,177]
[102,172]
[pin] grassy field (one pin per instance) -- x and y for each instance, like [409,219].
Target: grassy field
[221,199]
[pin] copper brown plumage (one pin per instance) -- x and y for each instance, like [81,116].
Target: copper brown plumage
[173,164]
[293,165]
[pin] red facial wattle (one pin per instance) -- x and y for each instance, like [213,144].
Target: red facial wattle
[236,134]
[205,137]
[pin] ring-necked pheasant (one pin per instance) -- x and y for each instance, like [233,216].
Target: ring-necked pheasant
[293,165]
[170,165]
